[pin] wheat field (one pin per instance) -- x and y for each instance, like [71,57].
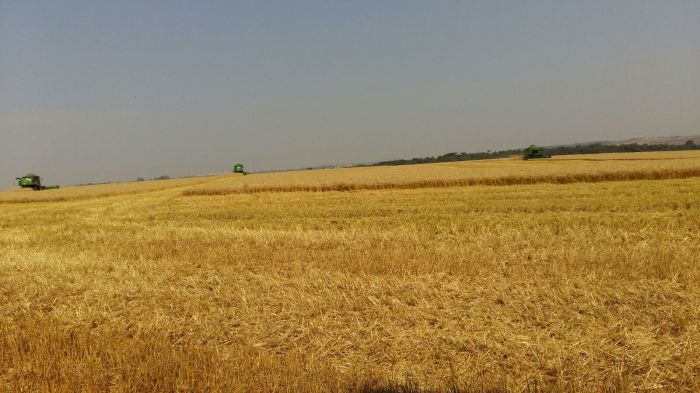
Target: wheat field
[412,279]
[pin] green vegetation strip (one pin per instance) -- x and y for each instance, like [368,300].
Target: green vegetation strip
[594,148]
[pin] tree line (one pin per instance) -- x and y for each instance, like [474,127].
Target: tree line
[593,148]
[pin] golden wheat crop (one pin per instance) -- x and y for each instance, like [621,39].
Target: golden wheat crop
[98,190]
[546,287]
[561,169]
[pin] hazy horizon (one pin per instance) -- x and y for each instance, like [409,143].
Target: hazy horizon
[114,91]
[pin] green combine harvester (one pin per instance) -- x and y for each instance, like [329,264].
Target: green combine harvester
[535,152]
[238,168]
[33,181]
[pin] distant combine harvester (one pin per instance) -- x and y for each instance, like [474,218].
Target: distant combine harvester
[535,152]
[238,168]
[33,181]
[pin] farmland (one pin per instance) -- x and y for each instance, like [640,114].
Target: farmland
[578,273]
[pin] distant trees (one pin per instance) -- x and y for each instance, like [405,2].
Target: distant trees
[555,151]
[161,177]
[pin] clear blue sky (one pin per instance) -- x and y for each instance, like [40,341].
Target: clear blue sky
[96,90]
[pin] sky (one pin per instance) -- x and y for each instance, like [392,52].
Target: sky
[94,91]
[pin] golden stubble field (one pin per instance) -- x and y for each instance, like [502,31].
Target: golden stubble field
[584,286]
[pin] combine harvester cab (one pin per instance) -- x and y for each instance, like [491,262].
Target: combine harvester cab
[534,152]
[33,181]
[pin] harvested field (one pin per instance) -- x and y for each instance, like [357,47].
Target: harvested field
[525,287]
